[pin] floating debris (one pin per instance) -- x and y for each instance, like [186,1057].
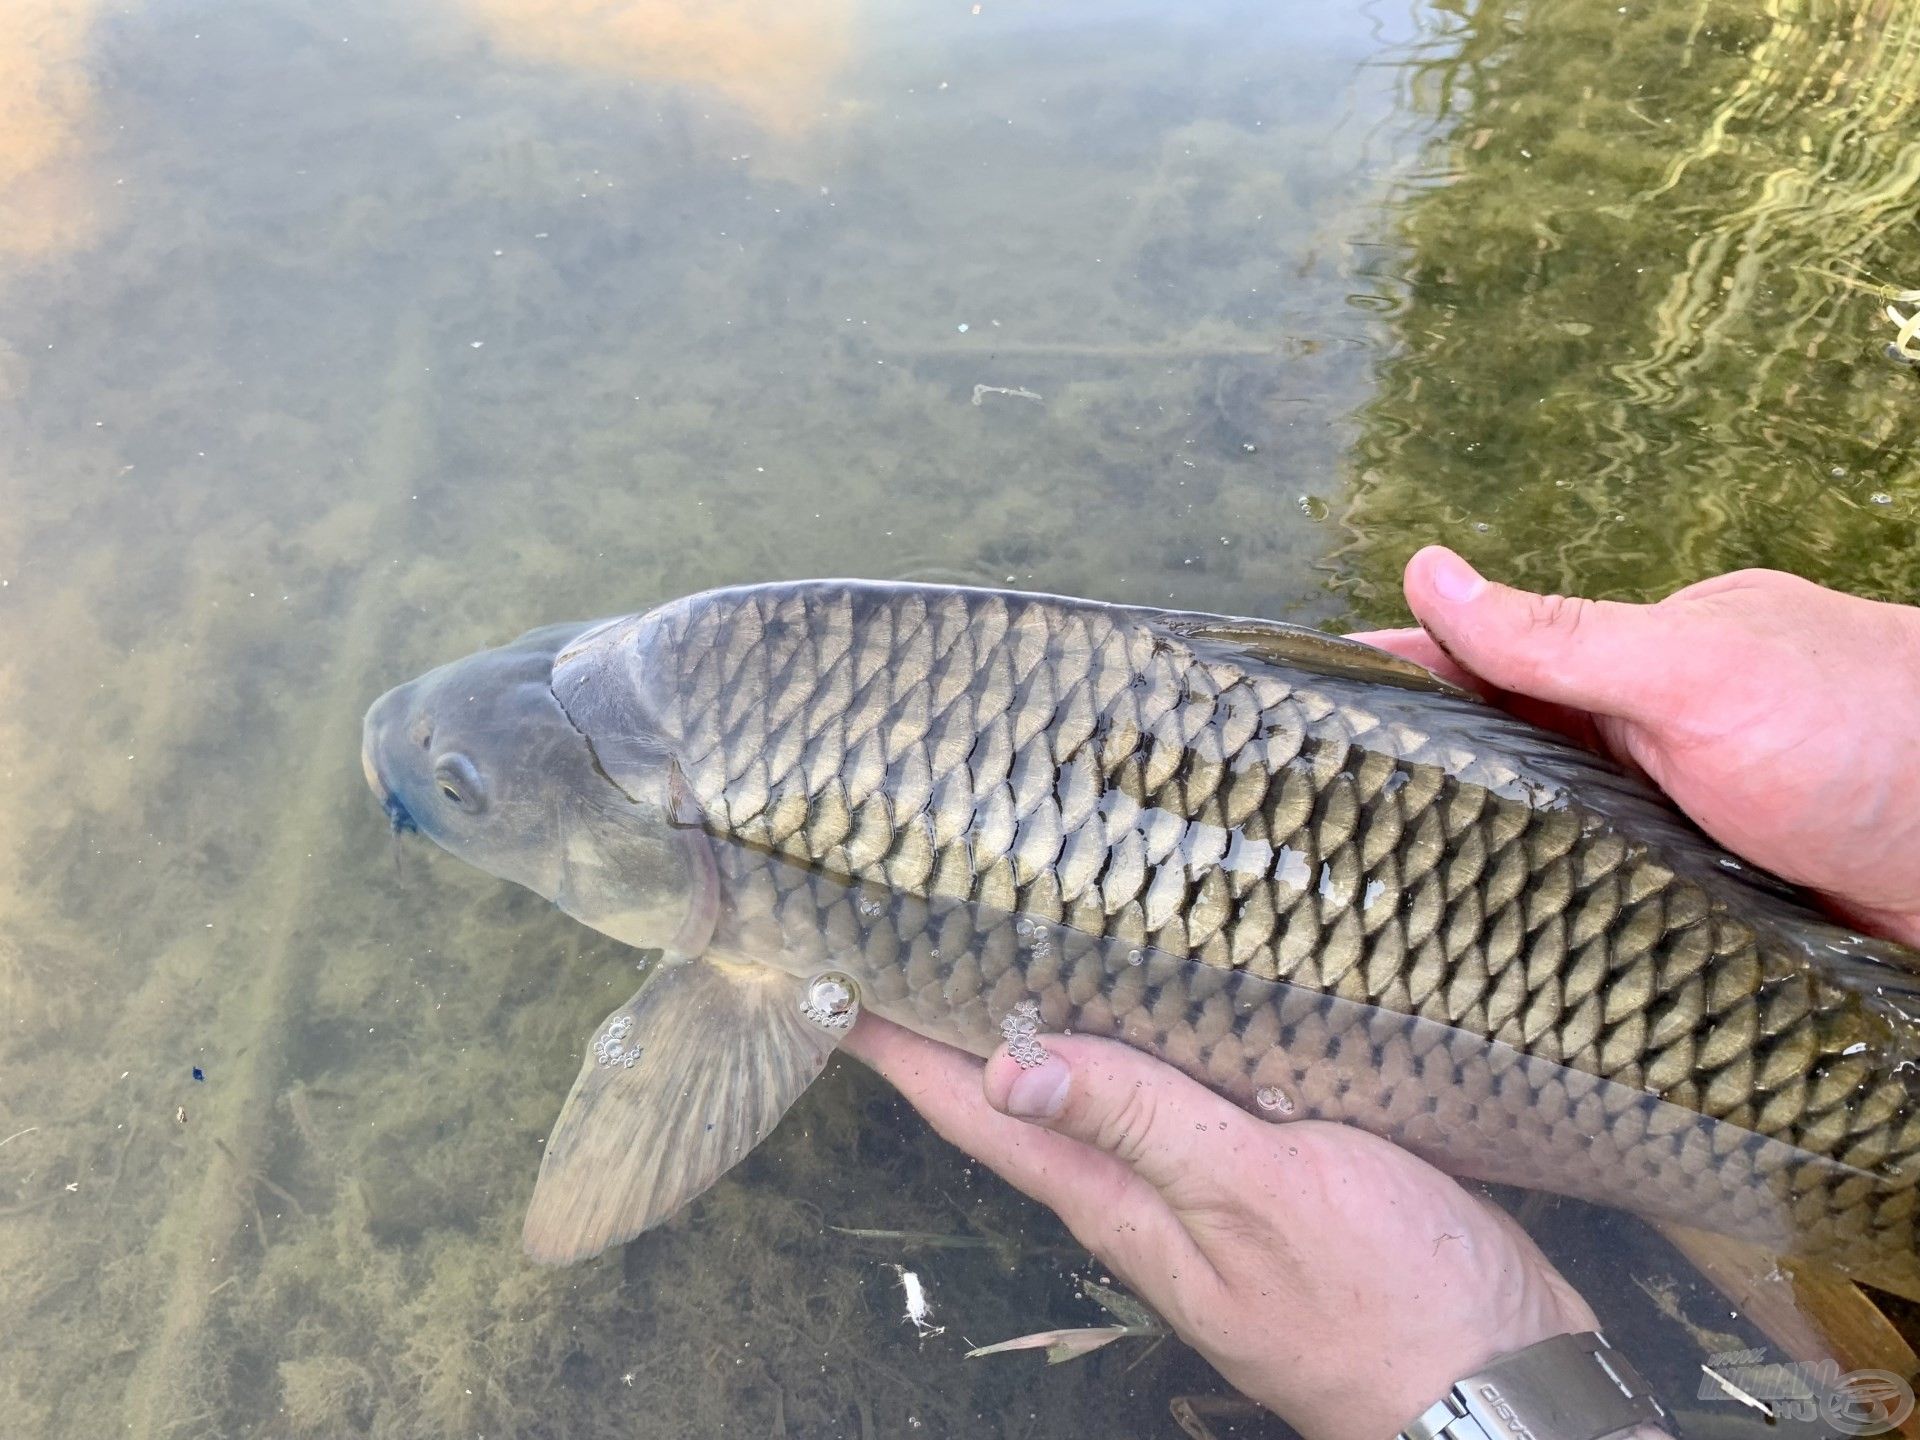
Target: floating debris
[1060,1345]
[1905,345]
[1016,392]
[1134,1320]
[919,1311]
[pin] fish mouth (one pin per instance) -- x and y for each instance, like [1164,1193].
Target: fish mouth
[398,816]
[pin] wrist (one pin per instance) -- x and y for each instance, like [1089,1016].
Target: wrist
[1414,1371]
[1569,1387]
[1554,1308]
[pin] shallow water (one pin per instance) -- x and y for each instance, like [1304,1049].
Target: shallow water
[337,339]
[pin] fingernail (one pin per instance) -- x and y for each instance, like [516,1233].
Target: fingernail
[1454,579]
[1040,1093]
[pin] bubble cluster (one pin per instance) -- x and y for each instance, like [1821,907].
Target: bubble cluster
[1021,1030]
[831,1002]
[1275,1101]
[612,1048]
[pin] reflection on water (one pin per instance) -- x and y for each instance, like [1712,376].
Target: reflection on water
[775,63]
[46,124]
[336,340]
[1638,343]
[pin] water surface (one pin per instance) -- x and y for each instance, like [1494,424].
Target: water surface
[338,339]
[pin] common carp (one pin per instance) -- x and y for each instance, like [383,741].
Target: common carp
[1308,873]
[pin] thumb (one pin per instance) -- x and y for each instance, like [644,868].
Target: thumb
[1162,1125]
[1594,655]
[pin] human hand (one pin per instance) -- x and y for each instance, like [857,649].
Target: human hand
[1778,714]
[1326,1273]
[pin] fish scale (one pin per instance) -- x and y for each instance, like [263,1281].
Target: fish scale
[1275,873]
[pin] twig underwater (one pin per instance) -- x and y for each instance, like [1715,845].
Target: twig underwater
[926,1239]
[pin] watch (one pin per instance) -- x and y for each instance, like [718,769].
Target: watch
[1572,1387]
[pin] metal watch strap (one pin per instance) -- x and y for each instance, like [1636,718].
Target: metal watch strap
[1572,1387]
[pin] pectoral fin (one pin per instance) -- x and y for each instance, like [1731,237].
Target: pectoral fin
[677,1086]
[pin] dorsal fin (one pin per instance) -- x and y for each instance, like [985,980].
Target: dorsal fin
[1300,648]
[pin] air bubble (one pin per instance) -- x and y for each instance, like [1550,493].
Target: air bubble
[611,1048]
[1020,1029]
[1273,1100]
[1136,957]
[832,1002]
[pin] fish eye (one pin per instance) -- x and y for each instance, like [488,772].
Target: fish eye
[460,783]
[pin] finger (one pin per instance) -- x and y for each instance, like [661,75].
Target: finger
[1109,1209]
[1421,648]
[1171,1131]
[943,1084]
[1593,655]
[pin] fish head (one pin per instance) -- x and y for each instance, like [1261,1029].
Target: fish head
[480,757]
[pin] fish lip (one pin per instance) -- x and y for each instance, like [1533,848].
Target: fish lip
[398,816]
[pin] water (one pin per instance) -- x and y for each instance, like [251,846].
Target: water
[338,339]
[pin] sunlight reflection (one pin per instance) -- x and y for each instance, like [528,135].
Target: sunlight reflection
[47,201]
[773,62]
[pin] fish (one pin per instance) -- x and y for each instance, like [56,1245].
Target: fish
[1308,873]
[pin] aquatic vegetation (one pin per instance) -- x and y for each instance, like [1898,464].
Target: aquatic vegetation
[326,1395]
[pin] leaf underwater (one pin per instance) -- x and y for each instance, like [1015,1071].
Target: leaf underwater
[1063,1345]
